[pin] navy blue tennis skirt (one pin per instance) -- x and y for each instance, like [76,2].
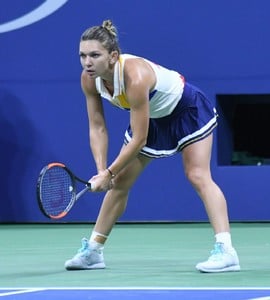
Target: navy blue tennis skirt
[192,120]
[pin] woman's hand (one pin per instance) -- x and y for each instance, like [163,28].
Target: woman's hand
[101,182]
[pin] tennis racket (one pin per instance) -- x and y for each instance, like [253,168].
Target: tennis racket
[56,190]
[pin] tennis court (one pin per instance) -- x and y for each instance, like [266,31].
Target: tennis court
[144,261]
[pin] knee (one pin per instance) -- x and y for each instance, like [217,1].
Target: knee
[122,183]
[197,177]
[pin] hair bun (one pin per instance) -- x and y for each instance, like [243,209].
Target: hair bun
[108,25]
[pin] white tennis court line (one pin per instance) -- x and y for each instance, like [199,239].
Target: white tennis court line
[19,291]
[142,288]
[261,298]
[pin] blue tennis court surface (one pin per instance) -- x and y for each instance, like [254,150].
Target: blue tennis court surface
[135,293]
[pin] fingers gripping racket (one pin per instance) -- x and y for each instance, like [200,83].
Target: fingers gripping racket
[56,190]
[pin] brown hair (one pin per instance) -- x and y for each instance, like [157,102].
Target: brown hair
[106,34]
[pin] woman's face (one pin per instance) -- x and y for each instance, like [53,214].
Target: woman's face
[95,59]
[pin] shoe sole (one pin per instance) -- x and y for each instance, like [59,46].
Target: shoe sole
[227,269]
[92,267]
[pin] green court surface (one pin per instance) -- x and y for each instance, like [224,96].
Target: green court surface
[136,255]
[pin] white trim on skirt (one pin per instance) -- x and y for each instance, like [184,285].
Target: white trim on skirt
[185,141]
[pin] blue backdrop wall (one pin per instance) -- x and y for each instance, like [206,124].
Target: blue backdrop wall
[221,46]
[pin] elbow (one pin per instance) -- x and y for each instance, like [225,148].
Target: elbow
[97,130]
[96,133]
[141,142]
[138,142]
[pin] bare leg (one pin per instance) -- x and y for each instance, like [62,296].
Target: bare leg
[115,200]
[196,159]
[90,256]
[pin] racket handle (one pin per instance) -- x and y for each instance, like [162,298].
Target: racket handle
[83,192]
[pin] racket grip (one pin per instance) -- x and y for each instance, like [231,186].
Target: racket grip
[92,185]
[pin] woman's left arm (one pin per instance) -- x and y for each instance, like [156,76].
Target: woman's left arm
[139,81]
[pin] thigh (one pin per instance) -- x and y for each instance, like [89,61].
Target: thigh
[198,154]
[128,175]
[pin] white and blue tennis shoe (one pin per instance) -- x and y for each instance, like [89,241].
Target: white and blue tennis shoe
[86,258]
[222,259]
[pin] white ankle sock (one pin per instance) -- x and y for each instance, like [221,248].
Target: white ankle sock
[93,243]
[225,238]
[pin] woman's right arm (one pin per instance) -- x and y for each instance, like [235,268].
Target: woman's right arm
[97,127]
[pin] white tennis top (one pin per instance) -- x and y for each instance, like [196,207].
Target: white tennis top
[162,99]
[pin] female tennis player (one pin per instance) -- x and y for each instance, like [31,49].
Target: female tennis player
[167,116]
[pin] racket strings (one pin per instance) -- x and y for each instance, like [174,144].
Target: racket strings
[56,191]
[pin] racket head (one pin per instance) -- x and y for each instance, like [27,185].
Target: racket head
[56,190]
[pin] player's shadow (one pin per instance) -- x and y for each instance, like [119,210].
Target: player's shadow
[29,274]
[18,152]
